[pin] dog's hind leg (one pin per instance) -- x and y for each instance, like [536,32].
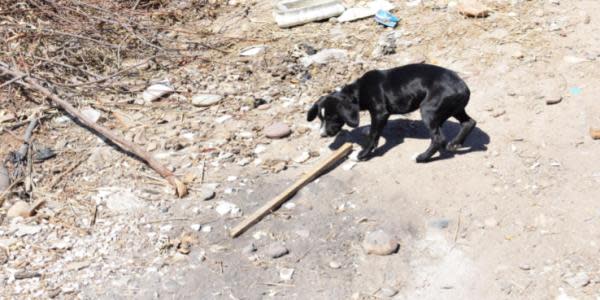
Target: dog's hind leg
[466,126]
[433,124]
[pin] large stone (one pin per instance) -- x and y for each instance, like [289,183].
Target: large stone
[380,243]
[203,100]
[473,9]
[19,209]
[277,130]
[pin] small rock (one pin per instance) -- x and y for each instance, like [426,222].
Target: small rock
[324,56]
[19,209]
[386,45]
[207,192]
[203,100]
[335,265]
[490,222]
[289,205]
[473,9]
[91,114]
[23,230]
[249,249]
[155,91]
[224,207]
[578,280]
[222,119]
[244,161]
[277,131]
[285,274]
[206,229]
[379,243]
[277,250]
[304,156]
[525,267]
[121,200]
[555,2]
[231,178]
[4,178]
[196,227]
[252,50]
[388,292]
[260,148]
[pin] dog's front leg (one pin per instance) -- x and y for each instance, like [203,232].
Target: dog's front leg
[377,124]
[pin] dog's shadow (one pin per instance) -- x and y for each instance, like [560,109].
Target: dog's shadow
[396,130]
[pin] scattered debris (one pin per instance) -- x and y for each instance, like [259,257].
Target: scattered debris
[357,13]
[379,243]
[324,57]
[575,91]
[297,12]
[386,19]
[285,274]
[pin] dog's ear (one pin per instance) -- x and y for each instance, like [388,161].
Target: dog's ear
[312,112]
[349,112]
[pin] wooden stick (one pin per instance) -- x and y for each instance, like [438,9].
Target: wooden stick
[28,82]
[277,201]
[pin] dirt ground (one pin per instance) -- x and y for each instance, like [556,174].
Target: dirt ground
[514,216]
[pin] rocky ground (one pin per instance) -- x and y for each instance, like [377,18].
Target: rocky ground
[516,215]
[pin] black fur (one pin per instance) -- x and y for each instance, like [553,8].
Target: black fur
[437,92]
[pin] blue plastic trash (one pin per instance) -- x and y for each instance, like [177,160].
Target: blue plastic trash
[385,18]
[575,91]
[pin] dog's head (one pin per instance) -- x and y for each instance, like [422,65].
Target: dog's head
[334,110]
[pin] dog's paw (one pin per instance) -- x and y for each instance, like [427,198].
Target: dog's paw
[452,147]
[422,158]
[364,154]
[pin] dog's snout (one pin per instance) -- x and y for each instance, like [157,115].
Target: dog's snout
[323,131]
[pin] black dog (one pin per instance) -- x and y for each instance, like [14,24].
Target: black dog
[439,94]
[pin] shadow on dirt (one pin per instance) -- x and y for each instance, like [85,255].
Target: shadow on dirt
[396,130]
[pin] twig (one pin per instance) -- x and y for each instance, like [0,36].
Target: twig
[111,75]
[134,149]
[69,170]
[457,228]
[27,138]
[12,80]
[7,191]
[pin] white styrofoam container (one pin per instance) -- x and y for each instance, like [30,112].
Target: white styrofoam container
[290,13]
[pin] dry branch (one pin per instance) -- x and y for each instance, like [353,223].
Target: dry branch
[281,198]
[31,83]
